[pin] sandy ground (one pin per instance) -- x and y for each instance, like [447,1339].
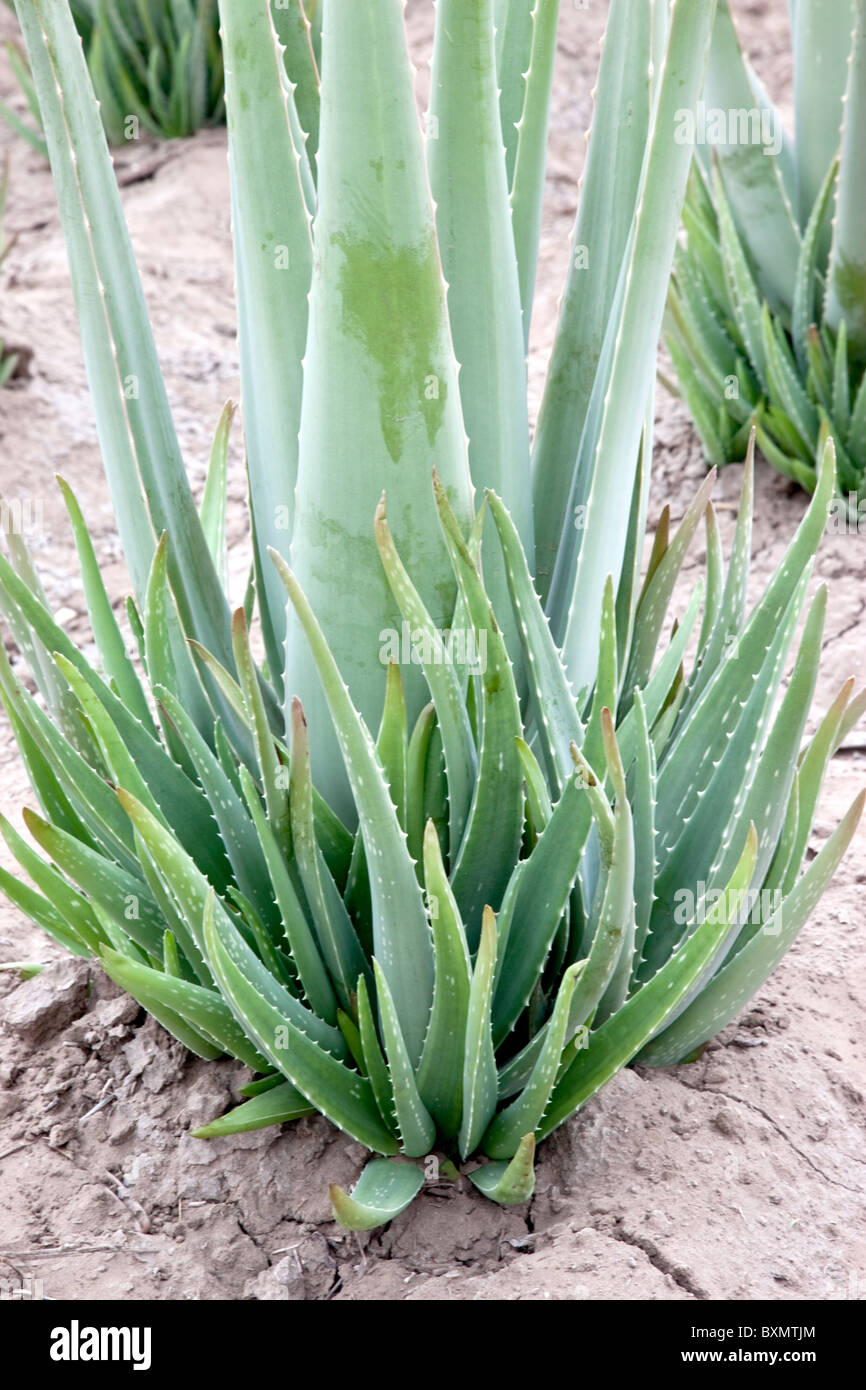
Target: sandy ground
[739,1177]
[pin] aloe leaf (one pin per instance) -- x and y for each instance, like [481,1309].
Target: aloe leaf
[236,830]
[416,770]
[643,803]
[821,42]
[379,340]
[692,846]
[811,769]
[299,938]
[375,1066]
[555,702]
[212,510]
[202,1011]
[751,176]
[400,929]
[605,217]
[442,678]
[414,1123]
[846,282]
[440,1073]
[511,1183]
[479,1066]
[281,1103]
[503,1137]
[169,662]
[617,1041]
[342,1095]
[633,342]
[684,772]
[527,181]
[495,823]
[538,803]
[785,385]
[43,912]
[470,187]
[273,270]
[738,980]
[293,28]
[513,29]
[272,770]
[79,922]
[383,1190]
[136,433]
[112,648]
[655,599]
[803,312]
[338,941]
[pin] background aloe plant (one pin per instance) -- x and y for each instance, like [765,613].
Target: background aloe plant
[9,358]
[454,934]
[767,321]
[155,65]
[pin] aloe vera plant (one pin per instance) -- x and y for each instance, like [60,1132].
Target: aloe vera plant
[767,315]
[438,866]
[156,65]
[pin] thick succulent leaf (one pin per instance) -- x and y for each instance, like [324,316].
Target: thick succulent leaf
[293,28]
[751,177]
[804,311]
[331,1088]
[139,445]
[43,912]
[273,270]
[643,804]
[299,938]
[212,509]
[476,239]
[440,1074]
[442,677]
[203,1012]
[272,771]
[379,342]
[509,1183]
[527,182]
[401,931]
[821,42]
[513,24]
[274,1107]
[690,757]
[414,1123]
[235,827]
[502,1139]
[555,705]
[738,980]
[701,832]
[618,1040]
[654,601]
[79,923]
[115,659]
[606,211]
[383,1190]
[375,1066]
[846,282]
[480,1087]
[624,386]
[495,824]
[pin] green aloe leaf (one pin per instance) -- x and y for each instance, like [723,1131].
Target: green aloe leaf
[479,1066]
[379,341]
[414,1123]
[617,1041]
[440,1074]
[511,1183]
[737,981]
[342,1095]
[277,1105]
[401,932]
[381,1193]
